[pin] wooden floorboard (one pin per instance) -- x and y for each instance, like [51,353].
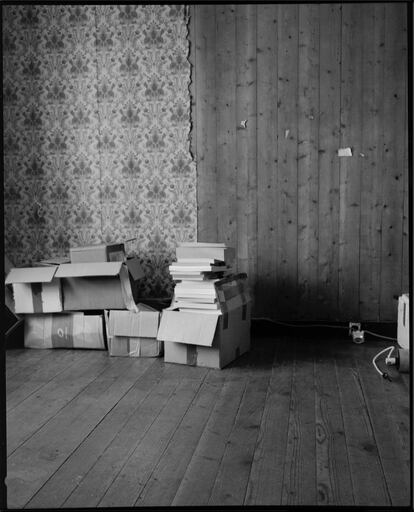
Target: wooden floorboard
[63,482]
[368,480]
[234,471]
[299,485]
[385,430]
[333,475]
[266,476]
[299,420]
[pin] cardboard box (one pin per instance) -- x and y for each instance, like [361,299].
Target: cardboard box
[35,290]
[134,347]
[102,285]
[230,338]
[403,326]
[210,338]
[58,260]
[97,252]
[134,334]
[64,330]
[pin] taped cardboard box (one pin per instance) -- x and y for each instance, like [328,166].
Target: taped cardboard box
[230,338]
[211,339]
[134,347]
[35,290]
[64,330]
[102,285]
[134,334]
[97,252]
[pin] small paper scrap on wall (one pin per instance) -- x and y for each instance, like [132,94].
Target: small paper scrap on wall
[344,152]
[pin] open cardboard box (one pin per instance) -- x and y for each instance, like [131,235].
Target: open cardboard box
[35,289]
[132,333]
[64,330]
[97,253]
[101,285]
[211,339]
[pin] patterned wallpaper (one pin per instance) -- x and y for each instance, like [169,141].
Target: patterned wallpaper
[96,132]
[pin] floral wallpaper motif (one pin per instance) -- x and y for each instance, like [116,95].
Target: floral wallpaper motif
[96,132]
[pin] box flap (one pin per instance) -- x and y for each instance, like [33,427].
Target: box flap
[89,269]
[31,275]
[82,248]
[131,324]
[145,307]
[134,268]
[191,328]
[232,291]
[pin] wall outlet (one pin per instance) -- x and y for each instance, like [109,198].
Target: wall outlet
[354,326]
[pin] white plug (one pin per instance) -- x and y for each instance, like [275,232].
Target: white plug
[354,326]
[357,336]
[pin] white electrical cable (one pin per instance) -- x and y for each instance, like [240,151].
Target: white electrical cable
[390,350]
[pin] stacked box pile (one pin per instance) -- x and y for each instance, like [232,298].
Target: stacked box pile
[64,300]
[208,322]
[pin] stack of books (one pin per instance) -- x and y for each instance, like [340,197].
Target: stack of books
[199,265]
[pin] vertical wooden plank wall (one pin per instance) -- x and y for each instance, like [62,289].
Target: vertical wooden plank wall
[371,163]
[267,164]
[328,163]
[395,49]
[285,297]
[307,155]
[321,237]
[350,167]
[202,31]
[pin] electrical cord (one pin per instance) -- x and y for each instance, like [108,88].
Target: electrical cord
[287,324]
[358,341]
[381,336]
[390,351]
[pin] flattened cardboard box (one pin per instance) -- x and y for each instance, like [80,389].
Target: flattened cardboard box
[35,289]
[134,334]
[64,330]
[212,339]
[97,252]
[102,285]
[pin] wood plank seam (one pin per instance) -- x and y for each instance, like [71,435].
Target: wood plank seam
[170,437]
[291,401]
[231,431]
[366,402]
[261,420]
[130,451]
[91,432]
[138,444]
[36,390]
[96,428]
[342,410]
[58,411]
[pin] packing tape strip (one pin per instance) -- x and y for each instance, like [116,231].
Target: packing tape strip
[37,297]
[62,331]
[192,355]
